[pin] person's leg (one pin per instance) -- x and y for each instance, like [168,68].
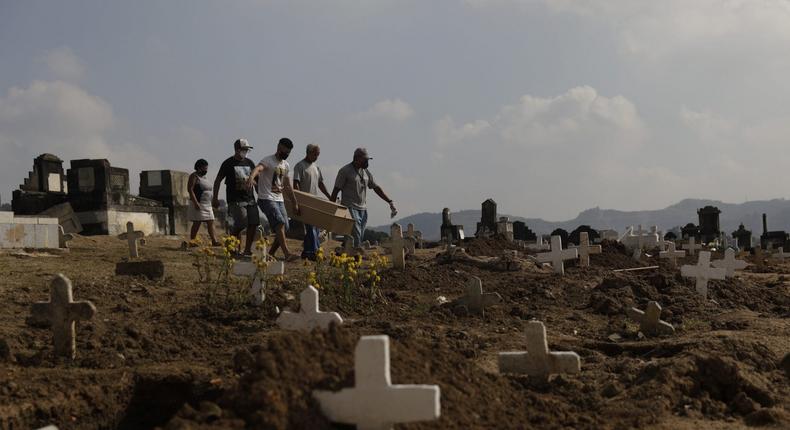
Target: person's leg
[359,232]
[194,231]
[282,219]
[239,216]
[267,207]
[355,215]
[211,232]
[253,221]
[309,246]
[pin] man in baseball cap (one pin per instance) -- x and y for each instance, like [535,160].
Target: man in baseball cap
[241,199]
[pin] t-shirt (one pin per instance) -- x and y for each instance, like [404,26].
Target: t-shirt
[353,184]
[236,172]
[308,175]
[270,181]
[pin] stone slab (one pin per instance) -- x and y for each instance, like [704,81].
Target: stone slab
[152,269]
[6,217]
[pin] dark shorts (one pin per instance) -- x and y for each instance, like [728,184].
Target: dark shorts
[275,213]
[244,215]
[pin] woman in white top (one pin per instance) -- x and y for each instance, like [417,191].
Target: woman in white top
[201,191]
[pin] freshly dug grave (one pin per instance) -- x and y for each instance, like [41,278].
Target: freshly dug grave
[157,355]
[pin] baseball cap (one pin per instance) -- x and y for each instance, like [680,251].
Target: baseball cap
[241,144]
[362,152]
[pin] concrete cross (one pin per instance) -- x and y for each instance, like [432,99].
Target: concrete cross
[539,245]
[61,311]
[781,255]
[475,301]
[308,317]
[132,236]
[702,272]
[671,253]
[250,270]
[640,237]
[64,238]
[585,249]
[557,256]
[692,246]
[537,360]
[729,263]
[650,323]
[398,251]
[374,403]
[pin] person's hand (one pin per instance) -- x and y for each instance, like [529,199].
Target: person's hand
[215,202]
[298,210]
[250,183]
[393,210]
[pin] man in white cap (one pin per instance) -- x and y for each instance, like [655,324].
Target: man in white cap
[236,171]
[352,181]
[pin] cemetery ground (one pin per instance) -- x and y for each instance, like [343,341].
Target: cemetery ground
[157,353]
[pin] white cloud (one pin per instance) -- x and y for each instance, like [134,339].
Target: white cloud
[390,109]
[61,63]
[446,132]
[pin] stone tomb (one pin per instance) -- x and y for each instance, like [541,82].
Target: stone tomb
[557,255]
[702,272]
[374,403]
[475,301]
[398,247]
[671,253]
[650,323]
[537,361]
[250,270]
[308,317]
[132,236]
[729,263]
[692,247]
[781,254]
[585,249]
[62,312]
[28,232]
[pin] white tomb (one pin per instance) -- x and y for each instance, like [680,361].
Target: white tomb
[703,273]
[557,255]
[250,270]
[132,236]
[475,301]
[671,253]
[308,317]
[729,263]
[398,247]
[585,249]
[650,323]
[61,312]
[537,360]
[692,247]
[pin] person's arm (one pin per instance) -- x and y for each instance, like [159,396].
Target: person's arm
[260,168]
[383,195]
[289,189]
[323,189]
[339,182]
[217,183]
[191,189]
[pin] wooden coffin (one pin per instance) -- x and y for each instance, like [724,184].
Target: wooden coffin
[320,213]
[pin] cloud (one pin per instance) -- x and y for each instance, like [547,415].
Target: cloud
[447,133]
[389,109]
[62,64]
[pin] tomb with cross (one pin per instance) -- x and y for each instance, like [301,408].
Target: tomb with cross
[308,317]
[729,263]
[702,272]
[537,361]
[585,249]
[475,301]
[62,313]
[672,253]
[132,236]
[250,270]
[692,247]
[557,255]
[398,247]
[650,323]
[374,403]
[414,234]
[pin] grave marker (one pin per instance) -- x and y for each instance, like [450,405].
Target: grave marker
[248,269]
[308,317]
[692,246]
[557,255]
[398,257]
[702,272]
[650,323]
[64,238]
[671,253]
[781,255]
[131,236]
[537,360]
[374,403]
[62,312]
[475,301]
[729,263]
[585,249]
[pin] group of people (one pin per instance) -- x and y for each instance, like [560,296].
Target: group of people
[275,181]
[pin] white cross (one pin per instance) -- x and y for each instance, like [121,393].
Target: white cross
[537,360]
[61,311]
[538,245]
[640,237]
[692,246]
[248,269]
[374,403]
[672,253]
[585,249]
[729,263]
[702,272]
[308,317]
[650,323]
[557,256]
[398,257]
[131,237]
[475,301]
[781,255]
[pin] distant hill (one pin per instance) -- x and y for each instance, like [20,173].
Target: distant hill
[682,213]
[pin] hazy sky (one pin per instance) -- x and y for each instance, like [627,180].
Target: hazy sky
[549,107]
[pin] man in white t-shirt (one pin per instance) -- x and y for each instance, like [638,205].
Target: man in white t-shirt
[308,178]
[273,179]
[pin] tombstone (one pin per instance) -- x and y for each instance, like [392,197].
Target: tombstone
[64,238]
[537,361]
[692,246]
[539,244]
[650,323]
[585,249]
[398,251]
[608,234]
[781,255]
[593,236]
[374,402]
[250,270]
[709,228]
[131,236]
[743,238]
[475,301]
[415,235]
[637,255]
[488,219]
[672,254]
[729,263]
[563,236]
[702,272]
[448,231]
[168,187]
[62,312]
[44,187]
[308,317]
[557,255]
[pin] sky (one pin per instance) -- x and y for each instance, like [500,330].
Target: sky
[549,107]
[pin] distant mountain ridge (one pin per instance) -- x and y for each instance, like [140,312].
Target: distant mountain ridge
[679,214]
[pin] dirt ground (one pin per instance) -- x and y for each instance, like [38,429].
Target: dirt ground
[158,355]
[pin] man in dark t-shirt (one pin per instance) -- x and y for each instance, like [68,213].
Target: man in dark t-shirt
[241,199]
